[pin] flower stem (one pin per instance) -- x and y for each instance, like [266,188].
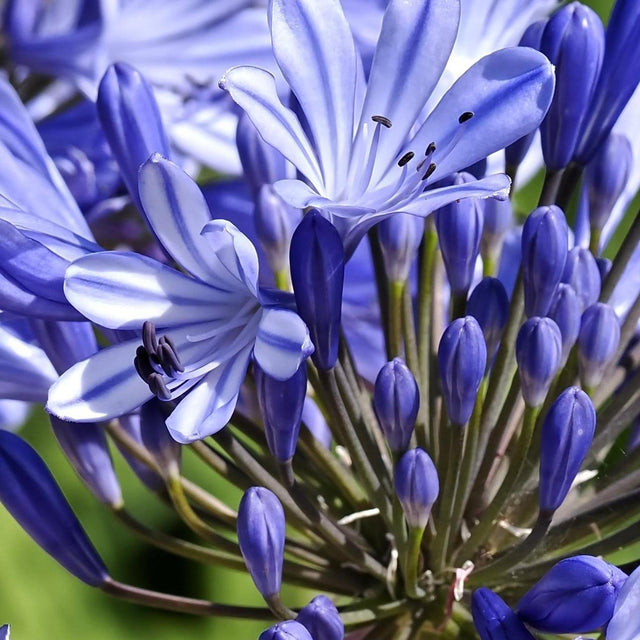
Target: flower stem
[395,319]
[552,181]
[411,563]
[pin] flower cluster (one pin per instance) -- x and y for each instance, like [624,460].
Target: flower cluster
[428,397]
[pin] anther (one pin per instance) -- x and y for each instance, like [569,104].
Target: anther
[158,387]
[383,120]
[149,337]
[430,169]
[142,364]
[406,158]
[169,360]
[467,115]
[430,149]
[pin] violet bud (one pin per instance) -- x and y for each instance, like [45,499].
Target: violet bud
[573,40]
[317,273]
[538,352]
[567,432]
[604,266]
[396,400]
[281,403]
[462,358]
[598,342]
[498,219]
[156,437]
[131,121]
[489,305]
[544,253]
[400,236]
[321,619]
[565,312]
[85,446]
[459,227]
[287,630]
[606,176]
[5,632]
[31,495]
[261,533]
[625,623]
[577,595]
[417,486]
[493,618]
[582,273]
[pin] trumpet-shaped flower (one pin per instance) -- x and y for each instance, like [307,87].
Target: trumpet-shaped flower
[362,147]
[213,317]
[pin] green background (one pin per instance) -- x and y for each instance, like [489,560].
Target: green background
[42,601]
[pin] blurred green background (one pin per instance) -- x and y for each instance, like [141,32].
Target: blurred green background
[42,601]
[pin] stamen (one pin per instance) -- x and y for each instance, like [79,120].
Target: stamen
[383,120]
[406,158]
[169,359]
[149,340]
[467,115]
[430,149]
[429,171]
[158,387]
[142,363]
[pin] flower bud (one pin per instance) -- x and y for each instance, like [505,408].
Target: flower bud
[396,400]
[606,176]
[544,253]
[417,486]
[156,437]
[261,533]
[498,219]
[489,305]
[582,273]
[577,595]
[86,448]
[567,432]
[462,358]
[400,236]
[131,120]
[604,266]
[317,272]
[573,40]
[494,620]
[31,495]
[287,630]
[538,352]
[315,422]
[598,342]
[625,623]
[459,227]
[5,632]
[321,619]
[565,312]
[281,403]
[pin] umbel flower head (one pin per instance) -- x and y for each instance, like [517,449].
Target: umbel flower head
[430,433]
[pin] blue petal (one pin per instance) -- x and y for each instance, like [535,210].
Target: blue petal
[625,623]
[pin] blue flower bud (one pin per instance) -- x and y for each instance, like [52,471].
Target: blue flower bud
[625,623]
[494,619]
[498,219]
[396,400]
[86,448]
[582,273]
[573,40]
[131,121]
[31,495]
[156,437]
[400,236]
[604,266]
[261,533]
[606,176]
[5,632]
[544,253]
[538,352]
[314,420]
[565,312]
[577,595]
[417,486]
[459,227]
[515,153]
[317,273]
[567,432]
[598,342]
[321,619]
[281,403]
[489,305]
[462,358]
[275,221]
[287,630]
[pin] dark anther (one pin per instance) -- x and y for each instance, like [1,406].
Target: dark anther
[158,387]
[383,120]
[142,364]
[405,158]
[149,337]
[168,358]
[420,165]
[467,115]
[430,149]
[429,171]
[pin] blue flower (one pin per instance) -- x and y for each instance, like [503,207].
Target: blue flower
[369,157]
[213,318]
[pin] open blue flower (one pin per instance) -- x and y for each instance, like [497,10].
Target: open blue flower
[361,146]
[213,317]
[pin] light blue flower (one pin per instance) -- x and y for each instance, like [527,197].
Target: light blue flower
[215,316]
[358,168]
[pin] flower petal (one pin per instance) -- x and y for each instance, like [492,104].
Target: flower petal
[282,343]
[625,623]
[254,90]
[508,93]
